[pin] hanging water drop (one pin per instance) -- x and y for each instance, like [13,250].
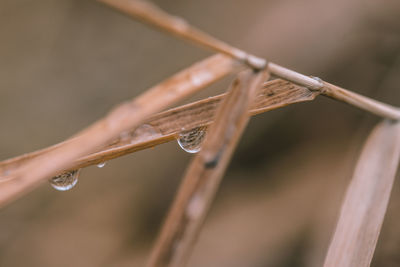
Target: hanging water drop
[191,140]
[101,164]
[65,181]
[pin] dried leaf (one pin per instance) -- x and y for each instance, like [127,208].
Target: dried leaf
[204,174]
[274,94]
[126,116]
[366,200]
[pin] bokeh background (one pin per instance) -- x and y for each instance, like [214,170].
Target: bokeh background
[65,63]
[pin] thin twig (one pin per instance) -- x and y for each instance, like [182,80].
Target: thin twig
[336,92]
[204,174]
[362,102]
[155,16]
[125,117]
[366,200]
[295,77]
[152,14]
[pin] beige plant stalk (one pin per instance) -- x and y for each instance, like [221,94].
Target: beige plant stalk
[226,116]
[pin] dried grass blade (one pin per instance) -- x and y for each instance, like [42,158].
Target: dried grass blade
[366,200]
[273,94]
[362,102]
[204,174]
[126,116]
[153,15]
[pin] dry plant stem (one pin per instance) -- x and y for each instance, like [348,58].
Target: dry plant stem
[152,14]
[336,92]
[366,200]
[167,125]
[93,139]
[362,102]
[204,174]
[126,116]
[295,77]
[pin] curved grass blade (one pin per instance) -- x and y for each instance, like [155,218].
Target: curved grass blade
[366,200]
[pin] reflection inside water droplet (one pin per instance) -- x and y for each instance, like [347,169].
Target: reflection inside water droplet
[101,164]
[191,140]
[65,181]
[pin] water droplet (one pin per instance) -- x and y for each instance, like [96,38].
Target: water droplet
[317,78]
[5,175]
[320,81]
[124,136]
[6,172]
[199,79]
[65,181]
[191,140]
[195,207]
[144,133]
[180,24]
[101,164]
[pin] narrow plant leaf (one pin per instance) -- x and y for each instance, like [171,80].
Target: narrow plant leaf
[204,174]
[124,117]
[378,108]
[152,14]
[366,200]
[168,124]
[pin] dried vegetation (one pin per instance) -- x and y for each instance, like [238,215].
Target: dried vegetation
[225,117]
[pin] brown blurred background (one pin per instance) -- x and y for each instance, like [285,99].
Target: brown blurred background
[65,63]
